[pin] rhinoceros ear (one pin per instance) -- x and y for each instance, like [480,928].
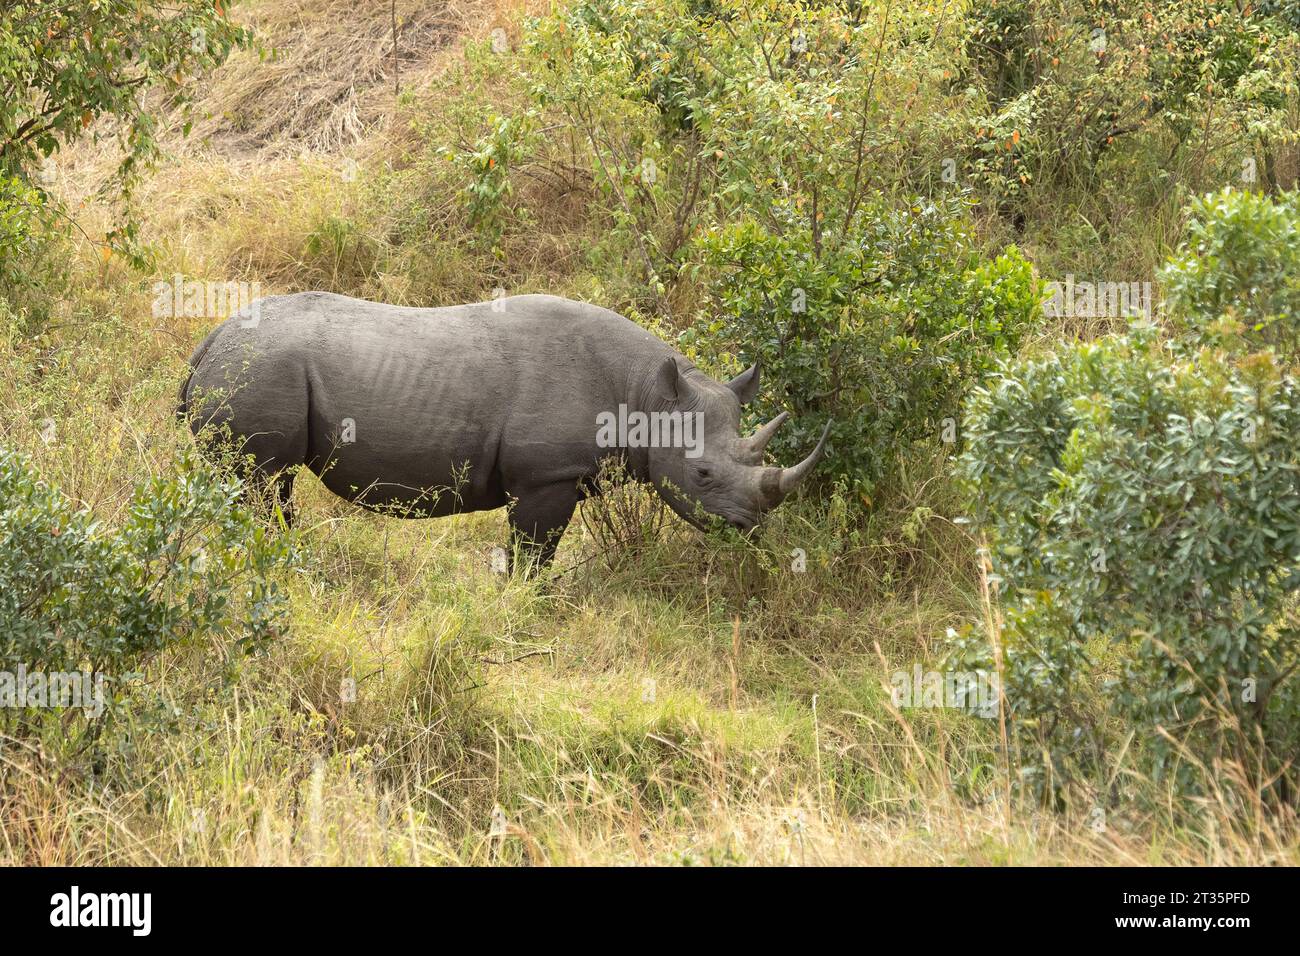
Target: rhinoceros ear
[669,382]
[745,385]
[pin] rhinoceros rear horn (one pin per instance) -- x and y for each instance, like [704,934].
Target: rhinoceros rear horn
[758,441]
[790,477]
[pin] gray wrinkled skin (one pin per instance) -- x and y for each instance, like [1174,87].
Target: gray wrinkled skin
[470,407]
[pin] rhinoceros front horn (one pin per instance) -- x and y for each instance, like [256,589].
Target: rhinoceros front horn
[790,477]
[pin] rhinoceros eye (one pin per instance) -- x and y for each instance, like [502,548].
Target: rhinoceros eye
[705,473]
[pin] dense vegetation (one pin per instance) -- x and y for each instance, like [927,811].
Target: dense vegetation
[1090,503]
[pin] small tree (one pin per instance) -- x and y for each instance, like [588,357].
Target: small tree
[1141,509]
[66,63]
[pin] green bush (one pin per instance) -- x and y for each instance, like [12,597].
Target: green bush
[1144,518]
[187,563]
[488,169]
[31,270]
[1236,277]
[1068,86]
[882,334]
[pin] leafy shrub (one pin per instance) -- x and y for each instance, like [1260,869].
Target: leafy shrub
[1236,277]
[614,76]
[24,231]
[693,113]
[488,169]
[1144,517]
[882,334]
[1000,46]
[1067,85]
[187,563]
[62,67]
[670,117]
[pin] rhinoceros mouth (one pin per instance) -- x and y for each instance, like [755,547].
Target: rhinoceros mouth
[742,523]
[705,520]
[740,519]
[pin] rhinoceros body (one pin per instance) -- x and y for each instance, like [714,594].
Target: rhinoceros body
[430,411]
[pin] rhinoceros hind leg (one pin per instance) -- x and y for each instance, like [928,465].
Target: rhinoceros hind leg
[284,495]
[266,480]
[264,490]
[538,518]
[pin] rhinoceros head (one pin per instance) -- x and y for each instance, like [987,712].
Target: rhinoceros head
[722,471]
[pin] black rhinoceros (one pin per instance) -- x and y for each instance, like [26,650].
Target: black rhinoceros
[508,403]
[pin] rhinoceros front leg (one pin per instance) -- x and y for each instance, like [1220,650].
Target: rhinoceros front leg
[538,518]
